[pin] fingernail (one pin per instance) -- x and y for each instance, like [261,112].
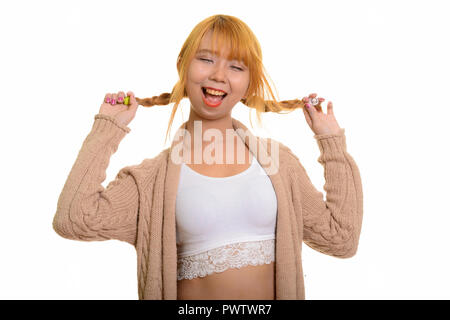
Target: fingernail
[308,105]
[108,99]
[120,99]
[113,101]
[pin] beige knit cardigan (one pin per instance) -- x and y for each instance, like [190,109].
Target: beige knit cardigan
[138,207]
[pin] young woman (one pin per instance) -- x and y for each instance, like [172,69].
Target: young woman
[218,224]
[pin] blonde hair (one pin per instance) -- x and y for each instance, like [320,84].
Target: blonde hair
[244,47]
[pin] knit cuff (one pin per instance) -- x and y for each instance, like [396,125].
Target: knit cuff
[113,120]
[106,130]
[329,135]
[331,146]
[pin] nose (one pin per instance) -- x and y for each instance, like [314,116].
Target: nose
[218,73]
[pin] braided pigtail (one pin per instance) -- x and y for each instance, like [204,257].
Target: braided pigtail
[261,105]
[162,99]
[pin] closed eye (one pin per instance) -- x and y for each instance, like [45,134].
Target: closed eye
[212,61]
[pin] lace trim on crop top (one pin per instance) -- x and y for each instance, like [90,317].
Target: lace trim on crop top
[235,255]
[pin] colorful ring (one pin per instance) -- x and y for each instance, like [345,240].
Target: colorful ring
[314,101]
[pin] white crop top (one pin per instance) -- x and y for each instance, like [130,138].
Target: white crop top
[226,222]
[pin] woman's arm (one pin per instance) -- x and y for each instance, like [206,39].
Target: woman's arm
[333,226]
[86,211]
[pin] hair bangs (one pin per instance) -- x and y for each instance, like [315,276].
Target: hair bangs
[227,38]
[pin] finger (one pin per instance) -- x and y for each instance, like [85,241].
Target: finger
[108,98]
[305,100]
[330,108]
[120,96]
[307,116]
[319,106]
[114,99]
[132,98]
[133,103]
[311,111]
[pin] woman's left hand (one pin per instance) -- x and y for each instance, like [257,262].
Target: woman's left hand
[319,122]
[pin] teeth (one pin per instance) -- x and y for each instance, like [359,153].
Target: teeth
[214,92]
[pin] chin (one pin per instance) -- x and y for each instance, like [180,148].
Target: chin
[209,112]
[212,115]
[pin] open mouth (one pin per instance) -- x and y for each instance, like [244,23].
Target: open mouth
[212,97]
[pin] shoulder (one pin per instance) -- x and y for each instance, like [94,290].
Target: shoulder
[286,155]
[289,161]
[147,168]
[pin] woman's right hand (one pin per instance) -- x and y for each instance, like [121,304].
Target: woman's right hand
[113,106]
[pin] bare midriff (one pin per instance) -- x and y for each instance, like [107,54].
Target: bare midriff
[246,283]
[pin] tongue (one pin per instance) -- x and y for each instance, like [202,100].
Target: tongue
[213,98]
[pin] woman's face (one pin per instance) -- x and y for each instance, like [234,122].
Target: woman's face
[209,70]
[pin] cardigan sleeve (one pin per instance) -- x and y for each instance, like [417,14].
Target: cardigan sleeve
[333,226]
[86,211]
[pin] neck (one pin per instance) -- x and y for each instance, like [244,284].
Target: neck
[222,125]
[217,140]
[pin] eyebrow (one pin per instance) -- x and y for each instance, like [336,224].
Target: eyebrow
[208,51]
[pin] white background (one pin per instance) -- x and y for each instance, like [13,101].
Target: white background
[384,64]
